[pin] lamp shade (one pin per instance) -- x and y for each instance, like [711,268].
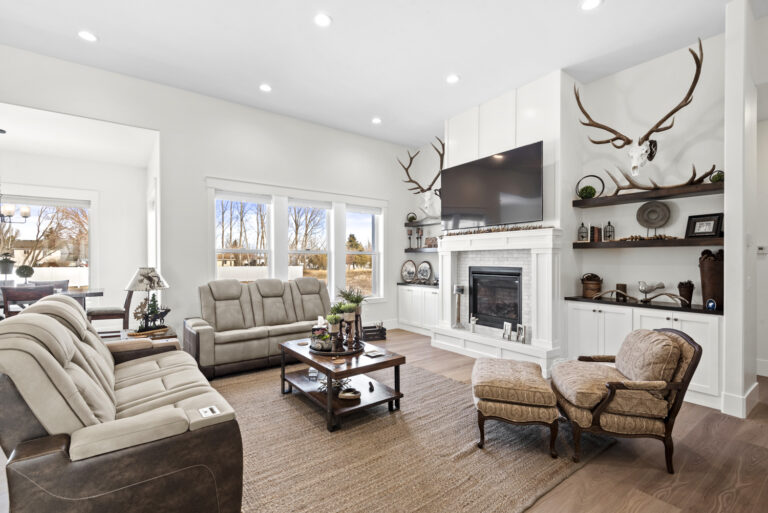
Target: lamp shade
[146,278]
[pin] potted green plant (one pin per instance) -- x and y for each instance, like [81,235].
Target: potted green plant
[25,271]
[336,309]
[587,192]
[333,321]
[348,311]
[354,296]
[7,263]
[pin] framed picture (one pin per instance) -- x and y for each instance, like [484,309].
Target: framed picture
[709,225]
[521,333]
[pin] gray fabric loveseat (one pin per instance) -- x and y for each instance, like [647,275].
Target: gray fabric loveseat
[241,325]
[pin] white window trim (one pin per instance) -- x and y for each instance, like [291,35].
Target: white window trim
[78,197]
[279,198]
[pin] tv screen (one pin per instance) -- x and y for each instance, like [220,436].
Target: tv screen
[501,189]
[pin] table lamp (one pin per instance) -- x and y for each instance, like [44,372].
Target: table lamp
[146,279]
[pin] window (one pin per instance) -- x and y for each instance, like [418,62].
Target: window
[242,242]
[54,241]
[361,258]
[308,242]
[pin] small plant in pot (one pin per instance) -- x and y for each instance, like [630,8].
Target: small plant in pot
[7,263]
[333,322]
[336,309]
[348,311]
[354,296]
[25,271]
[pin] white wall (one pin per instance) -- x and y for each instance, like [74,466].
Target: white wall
[204,137]
[761,239]
[632,101]
[119,237]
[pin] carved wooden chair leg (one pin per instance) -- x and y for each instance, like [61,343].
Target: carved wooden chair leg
[669,449]
[481,425]
[576,442]
[553,437]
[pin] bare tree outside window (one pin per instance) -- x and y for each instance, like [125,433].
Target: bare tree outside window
[242,241]
[308,242]
[54,240]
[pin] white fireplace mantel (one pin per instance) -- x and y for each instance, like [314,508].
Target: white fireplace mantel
[544,325]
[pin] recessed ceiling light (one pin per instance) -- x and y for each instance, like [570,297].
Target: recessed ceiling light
[376,120]
[323,20]
[265,88]
[452,78]
[588,5]
[87,36]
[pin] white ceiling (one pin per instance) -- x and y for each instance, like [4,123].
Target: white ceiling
[50,133]
[385,58]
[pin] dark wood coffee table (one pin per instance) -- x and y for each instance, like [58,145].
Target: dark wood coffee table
[352,367]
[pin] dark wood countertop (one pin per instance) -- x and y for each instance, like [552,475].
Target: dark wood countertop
[430,285]
[655,305]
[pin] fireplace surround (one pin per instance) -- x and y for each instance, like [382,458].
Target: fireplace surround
[495,295]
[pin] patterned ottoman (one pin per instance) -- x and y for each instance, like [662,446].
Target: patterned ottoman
[513,392]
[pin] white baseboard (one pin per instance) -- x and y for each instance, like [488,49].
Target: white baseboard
[740,406]
[762,367]
[416,329]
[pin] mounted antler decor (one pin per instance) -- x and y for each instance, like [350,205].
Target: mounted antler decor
[645,149]
[633,184]
[428,192]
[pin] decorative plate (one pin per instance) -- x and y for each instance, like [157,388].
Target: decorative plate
[424,272]
[653,214]
[408,271]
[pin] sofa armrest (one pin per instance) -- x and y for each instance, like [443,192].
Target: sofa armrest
[198,341]
[39,447]
[126,350]
[649,386]
[605,358]
[121,433]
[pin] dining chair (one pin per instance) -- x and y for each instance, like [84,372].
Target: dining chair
[62,285]
[22,297]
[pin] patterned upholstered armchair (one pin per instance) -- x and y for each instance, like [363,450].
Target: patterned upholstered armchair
[638,397]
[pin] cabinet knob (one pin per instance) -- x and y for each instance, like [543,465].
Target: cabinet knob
[593,310]
[676,319]
[599,311]
[669,318]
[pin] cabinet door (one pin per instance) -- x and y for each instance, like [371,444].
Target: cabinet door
[647,319]
[404,298]
[616,324]
[431,306]
[583,333]
[704,329]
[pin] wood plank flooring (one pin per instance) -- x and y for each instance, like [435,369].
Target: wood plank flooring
[721,461]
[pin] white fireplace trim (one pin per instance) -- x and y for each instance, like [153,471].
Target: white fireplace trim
[544,295]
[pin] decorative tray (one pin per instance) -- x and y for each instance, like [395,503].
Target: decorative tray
[360,349]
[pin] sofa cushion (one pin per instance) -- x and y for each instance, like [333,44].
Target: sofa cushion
[511,381]
[298,328]
[229,315]
[310,298]
[241,351]
[160,391]
[272,302]
[227,337]
[223,290]
[152,366]
[648,355]
[583,383]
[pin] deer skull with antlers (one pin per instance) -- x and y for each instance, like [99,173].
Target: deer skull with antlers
[428,193]
[644,150]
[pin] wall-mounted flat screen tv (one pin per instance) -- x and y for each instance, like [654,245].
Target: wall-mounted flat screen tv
[504,188]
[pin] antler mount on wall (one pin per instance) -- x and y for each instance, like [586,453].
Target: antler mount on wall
[429,192]
[644,150]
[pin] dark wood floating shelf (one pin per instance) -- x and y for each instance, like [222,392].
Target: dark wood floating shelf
[655,243]
[684,191]
[421,250]
[421,224]
[658,305]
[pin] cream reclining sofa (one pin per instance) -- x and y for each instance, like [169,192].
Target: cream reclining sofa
[82,433]
[242,324]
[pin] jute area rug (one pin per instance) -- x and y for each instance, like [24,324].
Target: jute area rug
[422,458]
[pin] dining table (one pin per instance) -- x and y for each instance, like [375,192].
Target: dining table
[78,294]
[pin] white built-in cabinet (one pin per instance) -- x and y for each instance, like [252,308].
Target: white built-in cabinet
[597,329]
[417,307]
[600,329]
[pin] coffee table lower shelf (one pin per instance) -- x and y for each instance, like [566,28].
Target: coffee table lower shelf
[381,394]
